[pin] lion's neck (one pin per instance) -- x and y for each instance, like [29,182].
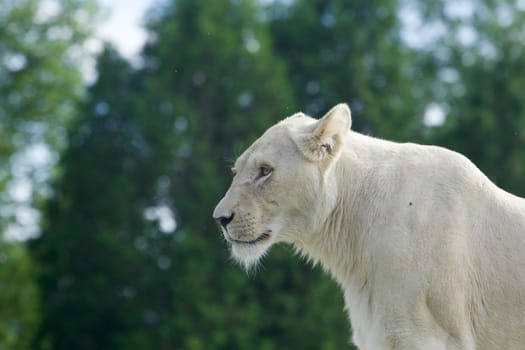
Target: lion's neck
[338,244]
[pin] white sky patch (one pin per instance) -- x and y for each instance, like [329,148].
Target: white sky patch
[14,61]
[459,9]
[30,172]
[504,16]
[418,34]
[164,217]
[26,226]
[124,25]
[20,190]
[434,115]
[467,35]
[414,32]
[46,10]
[410,20]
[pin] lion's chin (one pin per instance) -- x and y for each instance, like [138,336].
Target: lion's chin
[249,255]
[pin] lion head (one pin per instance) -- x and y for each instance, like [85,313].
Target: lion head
[281,189]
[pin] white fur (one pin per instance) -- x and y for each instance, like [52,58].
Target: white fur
[429,253]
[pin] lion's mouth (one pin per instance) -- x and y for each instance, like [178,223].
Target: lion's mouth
[264,236]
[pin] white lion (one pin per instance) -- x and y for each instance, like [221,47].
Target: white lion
[429,252]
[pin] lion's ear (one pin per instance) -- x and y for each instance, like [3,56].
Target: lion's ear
[327,136]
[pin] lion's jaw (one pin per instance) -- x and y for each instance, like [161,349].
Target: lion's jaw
[249,252]
[249,237]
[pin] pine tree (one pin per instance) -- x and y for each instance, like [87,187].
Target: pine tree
[98,253]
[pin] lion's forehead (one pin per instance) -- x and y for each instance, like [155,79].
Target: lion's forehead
[276,143]
[298,121]
[268,145]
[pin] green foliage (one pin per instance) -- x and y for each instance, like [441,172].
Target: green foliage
[40,80]
[19,303]
[350,51]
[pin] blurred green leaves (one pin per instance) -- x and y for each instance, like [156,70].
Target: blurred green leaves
[41,52]
[19,298]
[40,80]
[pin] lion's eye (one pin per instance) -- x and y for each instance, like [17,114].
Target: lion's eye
[264,172]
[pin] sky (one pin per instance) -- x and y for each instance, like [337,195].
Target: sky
[123,24]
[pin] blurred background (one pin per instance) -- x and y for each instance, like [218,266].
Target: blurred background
[119,120]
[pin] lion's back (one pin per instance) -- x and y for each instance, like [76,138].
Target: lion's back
[483,231]
[458,234]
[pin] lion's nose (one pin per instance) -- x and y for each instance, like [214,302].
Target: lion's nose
[224,220]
